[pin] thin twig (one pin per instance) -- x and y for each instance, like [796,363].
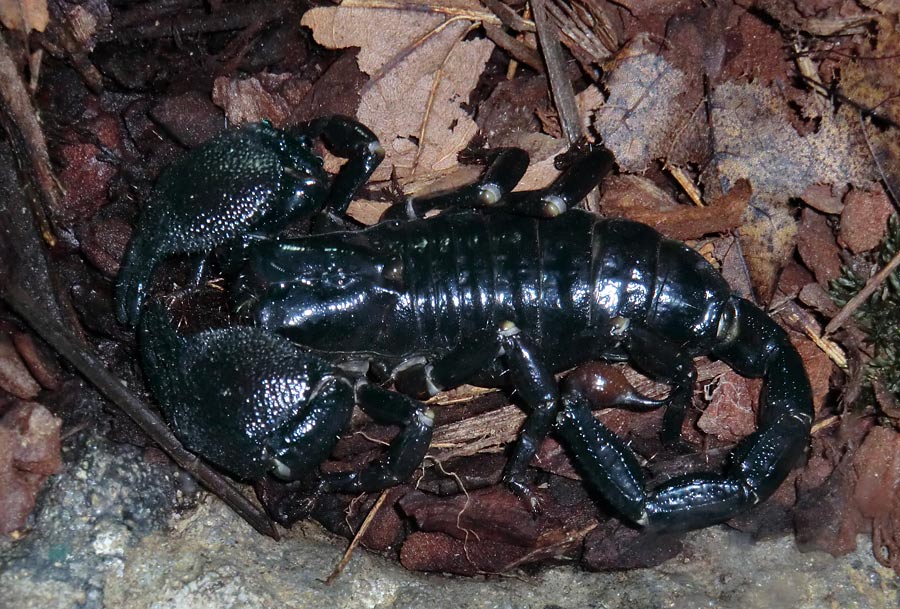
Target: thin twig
[17,105]
[560,85]
[348,553]
[887,176]
[518,49]
[570,538]
[509,17]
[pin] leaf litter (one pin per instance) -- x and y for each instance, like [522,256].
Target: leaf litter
[422,72]
[704,112]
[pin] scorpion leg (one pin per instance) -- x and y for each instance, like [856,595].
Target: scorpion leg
[456,367]
[665,362]
[506,166]
[538,389]
[587,168]
[351,140]
[606,461]
[406,451]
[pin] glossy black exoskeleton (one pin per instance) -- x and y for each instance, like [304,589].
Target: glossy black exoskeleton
[510,295]
[252,403]
[250,180]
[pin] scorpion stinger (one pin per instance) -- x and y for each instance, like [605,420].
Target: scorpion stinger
[754,346]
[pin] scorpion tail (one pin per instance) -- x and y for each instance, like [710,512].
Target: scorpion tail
[754,346]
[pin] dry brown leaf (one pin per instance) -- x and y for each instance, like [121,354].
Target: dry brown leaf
[637,199]
[24,15]
[643,111]
[754,141]
[262,97]
[421,73]
[873,82]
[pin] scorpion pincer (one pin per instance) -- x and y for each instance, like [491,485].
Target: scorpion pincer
[506,289]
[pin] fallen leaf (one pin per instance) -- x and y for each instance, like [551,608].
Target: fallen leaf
[871,81]
[754,141]
[649,205]
[638,120]
[24,15]
[265,96]
[421,73]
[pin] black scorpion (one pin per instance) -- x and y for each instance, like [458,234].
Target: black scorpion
[508,294]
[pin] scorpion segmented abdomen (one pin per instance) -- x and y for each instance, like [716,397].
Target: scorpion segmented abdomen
[624,270]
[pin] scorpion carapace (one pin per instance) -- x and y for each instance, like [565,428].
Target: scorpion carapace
[512,294]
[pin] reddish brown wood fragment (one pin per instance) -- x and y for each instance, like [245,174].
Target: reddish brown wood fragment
[817,247]
[103,243]
[14,375]
[819,368]
[43,367]
[191,118]
[29,453]
[864,219]
[613,546]
[826,518]
[386,527]
[685,221]
[493,514]
[793,278]
[441,553]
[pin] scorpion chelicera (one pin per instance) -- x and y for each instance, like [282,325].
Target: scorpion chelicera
[502,289]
